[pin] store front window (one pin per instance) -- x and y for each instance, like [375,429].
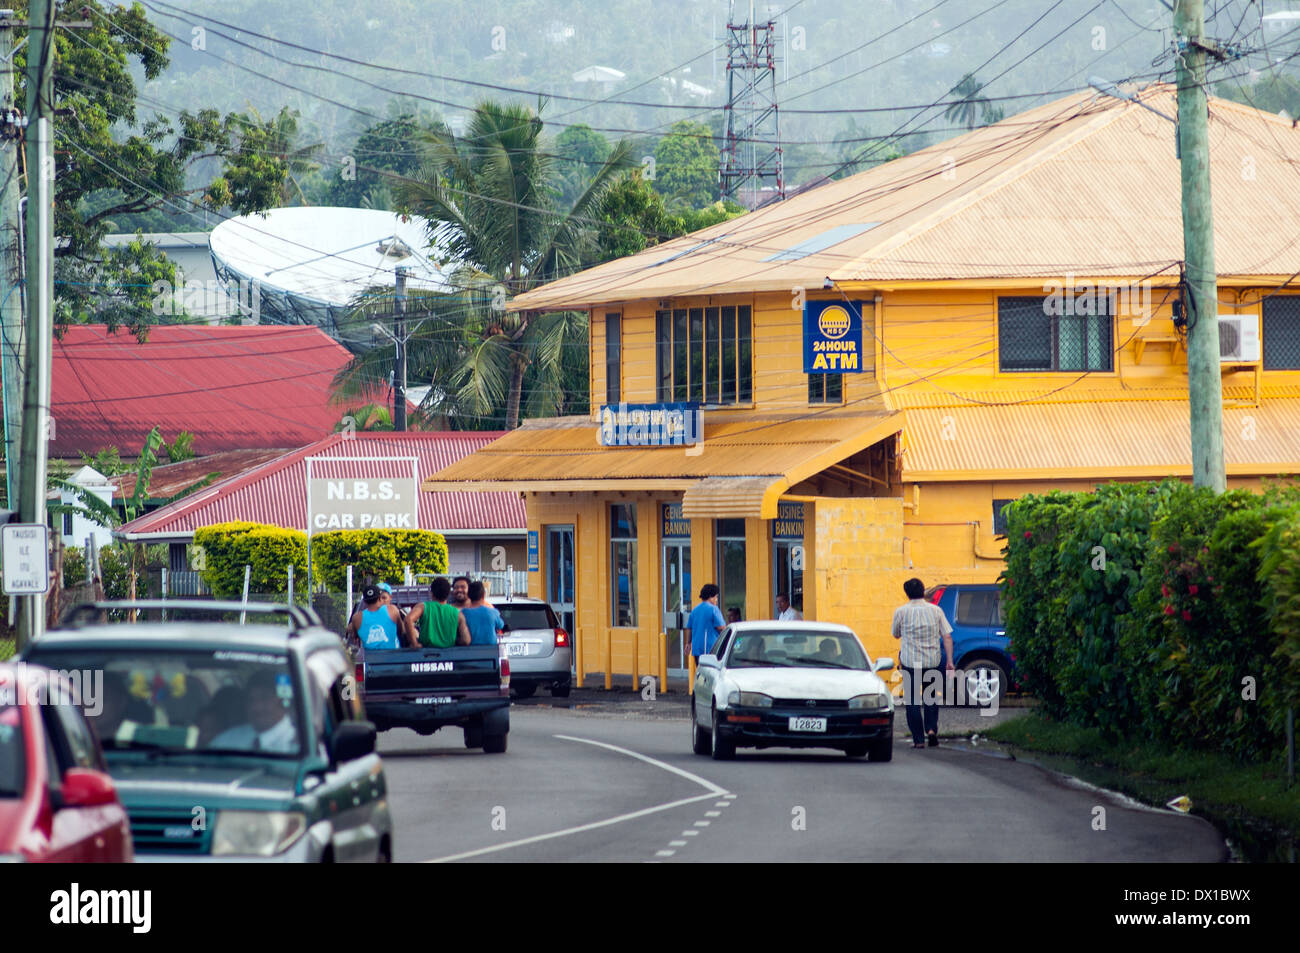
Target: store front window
[622,547]
[788,553]
[730,535]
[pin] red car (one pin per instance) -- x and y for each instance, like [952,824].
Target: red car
[57,802]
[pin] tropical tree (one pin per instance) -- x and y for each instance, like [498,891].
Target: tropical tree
[686,165]
[490,198]
[968,106]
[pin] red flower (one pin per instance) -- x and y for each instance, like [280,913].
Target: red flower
[1028,535]
[1173,547]
[1169,610]
[1164,590]
[1187,615]
[1193,588]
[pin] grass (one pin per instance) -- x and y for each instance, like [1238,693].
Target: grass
[6,649]
[1250,802]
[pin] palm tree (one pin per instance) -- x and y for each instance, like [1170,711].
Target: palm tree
[489,198]
[967,107]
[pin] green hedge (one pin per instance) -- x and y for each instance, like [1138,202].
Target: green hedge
[269,550]
[1156,607]
[377,554]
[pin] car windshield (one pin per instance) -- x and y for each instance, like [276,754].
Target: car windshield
[12,758]
[230,700]
[528,616]
[787,649]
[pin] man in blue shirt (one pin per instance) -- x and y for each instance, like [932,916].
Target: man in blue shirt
[705,621]
[484,622]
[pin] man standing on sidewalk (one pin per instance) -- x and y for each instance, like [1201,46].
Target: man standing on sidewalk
[705,621]
[925,635]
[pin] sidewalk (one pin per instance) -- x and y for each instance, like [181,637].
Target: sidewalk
[625,702]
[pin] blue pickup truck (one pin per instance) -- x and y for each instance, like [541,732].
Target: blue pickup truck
[426,689]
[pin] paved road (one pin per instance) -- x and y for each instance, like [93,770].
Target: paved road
[592,786]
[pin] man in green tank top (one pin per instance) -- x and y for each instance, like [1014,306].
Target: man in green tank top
[438,624]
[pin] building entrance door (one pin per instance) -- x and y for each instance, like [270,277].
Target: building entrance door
[676,603]
[560,574]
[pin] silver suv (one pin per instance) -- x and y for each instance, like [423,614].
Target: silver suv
[540,651]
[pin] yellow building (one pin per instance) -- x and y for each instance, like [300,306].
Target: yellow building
[1021,332]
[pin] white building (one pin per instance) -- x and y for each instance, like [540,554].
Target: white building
[76,528]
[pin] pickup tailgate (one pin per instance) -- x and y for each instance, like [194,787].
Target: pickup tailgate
[456,669]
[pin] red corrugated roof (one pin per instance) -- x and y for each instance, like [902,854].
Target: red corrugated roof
[276,492]
[235,388]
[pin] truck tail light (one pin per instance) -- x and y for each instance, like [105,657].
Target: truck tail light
[561,638]
[505,672]
[937,594]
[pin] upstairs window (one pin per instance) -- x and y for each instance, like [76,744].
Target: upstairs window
[825,388]
[1031,338]
[1281,344]
[704,355]
[613,357]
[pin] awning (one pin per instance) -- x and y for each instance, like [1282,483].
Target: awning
[1136,439]
[741,468]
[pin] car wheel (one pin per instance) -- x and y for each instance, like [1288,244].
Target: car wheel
[524,689]
[474,735]
[561,691]
[701,742]
[986,682]
[882,750]
[855,751]
[494,744]
[724,749]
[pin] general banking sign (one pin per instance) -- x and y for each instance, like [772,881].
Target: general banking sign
[832,337]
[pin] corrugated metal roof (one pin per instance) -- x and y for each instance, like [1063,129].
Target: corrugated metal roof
[740,469]
[235,388]
[754,446]
[276,492]
[171,478]
[1082,185]
[1102,439]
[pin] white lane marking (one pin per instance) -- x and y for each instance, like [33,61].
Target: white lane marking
[664,853]
[677,843]
[713,791]
[722,804]
[709,785]
[690,833]
[712,813]
[703,823]
[730,797]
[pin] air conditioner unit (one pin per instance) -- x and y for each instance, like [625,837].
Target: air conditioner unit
[1238,338]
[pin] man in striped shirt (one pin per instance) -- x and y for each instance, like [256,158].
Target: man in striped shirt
[925,645]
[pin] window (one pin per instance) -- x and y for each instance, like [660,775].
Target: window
[1281,329]
[704,355]
[1000,518]
[730,535]
[976,606]
[622,551]
[1032,337]
[825,388]
[613,357]
[67,524]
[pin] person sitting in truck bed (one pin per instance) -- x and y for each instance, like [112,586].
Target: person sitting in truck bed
[437,624]
[378,624]
[484,622]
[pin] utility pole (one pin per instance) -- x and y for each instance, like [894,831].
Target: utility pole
[11,270]
[1204,384]
[40,288]
[399,338]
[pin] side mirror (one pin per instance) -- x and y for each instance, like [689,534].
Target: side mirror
[709,661]
[352,740]
[85,787]
[882,665]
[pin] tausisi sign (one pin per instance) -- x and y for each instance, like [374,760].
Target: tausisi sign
[650,425]
[360,499]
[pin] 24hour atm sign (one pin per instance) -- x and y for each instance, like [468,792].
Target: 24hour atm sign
[832,337]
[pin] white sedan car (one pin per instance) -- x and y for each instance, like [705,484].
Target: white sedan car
[791,685]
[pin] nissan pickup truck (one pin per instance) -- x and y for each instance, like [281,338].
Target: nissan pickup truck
[426,689]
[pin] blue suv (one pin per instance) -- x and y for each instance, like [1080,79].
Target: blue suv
[979,639]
